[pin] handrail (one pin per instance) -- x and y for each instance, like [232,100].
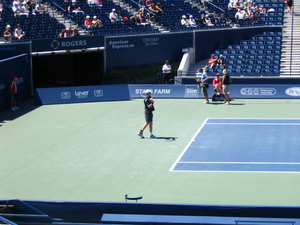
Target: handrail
[222,10]
[292,36]
[144,7]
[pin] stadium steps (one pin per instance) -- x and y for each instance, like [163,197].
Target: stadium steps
[290,54]
[54,13]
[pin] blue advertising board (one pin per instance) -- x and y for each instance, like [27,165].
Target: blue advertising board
[15,61]
[63,95]
[71,43]
[242,91]
[141,50]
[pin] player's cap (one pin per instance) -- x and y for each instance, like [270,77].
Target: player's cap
[183,16]
[7,26]
[148,91]
[14,78]
[217,74]
[95,17]
[225,71]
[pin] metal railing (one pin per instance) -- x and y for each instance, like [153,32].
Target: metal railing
[292,36]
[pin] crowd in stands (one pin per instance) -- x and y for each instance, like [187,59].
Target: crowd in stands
[174,16]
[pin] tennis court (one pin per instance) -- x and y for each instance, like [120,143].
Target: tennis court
[259,146]
[91,152]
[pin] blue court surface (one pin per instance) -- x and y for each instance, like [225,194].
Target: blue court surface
[243,145]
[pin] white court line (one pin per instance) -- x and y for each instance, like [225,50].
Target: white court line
[188,145]
[285,124]
[177,161]
[231,171]
[253,163]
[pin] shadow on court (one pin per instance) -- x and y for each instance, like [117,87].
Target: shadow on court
[24,108]
[167,138]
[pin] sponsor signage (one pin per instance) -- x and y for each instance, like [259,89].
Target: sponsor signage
[62,95]
[67,43]
[236,91]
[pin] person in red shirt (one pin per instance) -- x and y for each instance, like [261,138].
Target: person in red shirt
[217,83]
[213,61]
[13,91]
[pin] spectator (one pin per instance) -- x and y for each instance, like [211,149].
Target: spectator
[119,15]
[152,8]
[148,3]
[192,22]
[1,6]
[262,9]
[8,34]
[208,21]
[62,33]
[239,16]
[184,21]
[67,33]
[222,20]
[142,16]
[230,5]
[135,19]
[31,8]
[39,7]
[237,4]
[158,8]
[221,61]
[19,33]
[290,4]
[213,61]
[87,23]
[217,83]
[113,16]
[96,22]
[74,7]
[252,17]
[24,9]
[142,3]
[215,21]
[75,32]
[16,9]
[254,7]
[202,21]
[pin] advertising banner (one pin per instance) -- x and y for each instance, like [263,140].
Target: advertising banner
[71,43]
[141,50]
[241,91]
[15,61]
[63,95]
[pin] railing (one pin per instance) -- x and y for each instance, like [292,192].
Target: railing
[292,36]
[216,7]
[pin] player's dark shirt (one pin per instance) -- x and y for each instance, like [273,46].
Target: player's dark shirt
[147,102]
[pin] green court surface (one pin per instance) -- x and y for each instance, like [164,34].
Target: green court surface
[91,152]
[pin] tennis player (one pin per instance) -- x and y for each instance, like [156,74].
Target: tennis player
[149,108]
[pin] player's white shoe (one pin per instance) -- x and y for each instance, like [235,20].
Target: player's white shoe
[152,136]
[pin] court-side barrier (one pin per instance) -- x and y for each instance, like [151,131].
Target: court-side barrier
[63,95]
[242,91]
[15,61]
